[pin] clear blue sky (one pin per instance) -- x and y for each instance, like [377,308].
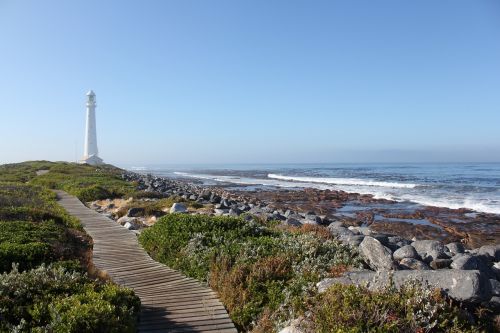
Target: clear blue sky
[252,81]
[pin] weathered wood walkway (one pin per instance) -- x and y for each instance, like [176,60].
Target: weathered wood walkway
[170,301]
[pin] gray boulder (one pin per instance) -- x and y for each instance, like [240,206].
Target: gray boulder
[413,264]
[440,263]
[406,251]
[377,256]
[339,231]
[124,219]
[219,212]
[455,248]
[473,262]
[492,251]
[429,247]
[467,286]
[178,208]
[336,224]
[353,240]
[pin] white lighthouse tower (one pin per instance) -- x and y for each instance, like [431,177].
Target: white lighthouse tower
[90,152]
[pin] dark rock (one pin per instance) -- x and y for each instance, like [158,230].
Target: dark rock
[467,286]
[494,303]
[377,256]
[413,264]
[234,212]
[293,222]
[407,251]
[495,287]
[440,263]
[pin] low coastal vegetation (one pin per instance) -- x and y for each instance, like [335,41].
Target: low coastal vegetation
[44,257]
[266,275]
[412,308]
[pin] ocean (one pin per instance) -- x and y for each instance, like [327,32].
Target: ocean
[467,185]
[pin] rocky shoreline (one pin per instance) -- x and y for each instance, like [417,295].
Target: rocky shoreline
[468,273]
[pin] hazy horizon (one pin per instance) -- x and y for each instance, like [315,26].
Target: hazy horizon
[191,82]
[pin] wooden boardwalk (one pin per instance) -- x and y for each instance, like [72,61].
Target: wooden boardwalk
[170,301]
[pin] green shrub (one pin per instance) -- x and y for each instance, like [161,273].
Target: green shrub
[412,309]
[56,300]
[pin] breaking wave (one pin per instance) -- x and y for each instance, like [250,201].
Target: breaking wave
[342,181]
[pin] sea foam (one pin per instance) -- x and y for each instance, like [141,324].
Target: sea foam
[342,181]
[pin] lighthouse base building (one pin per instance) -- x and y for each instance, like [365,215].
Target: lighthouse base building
[90,152]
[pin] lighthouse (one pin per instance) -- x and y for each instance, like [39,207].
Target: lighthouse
[90,152]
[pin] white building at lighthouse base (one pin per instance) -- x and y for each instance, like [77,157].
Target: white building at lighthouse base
[92,160]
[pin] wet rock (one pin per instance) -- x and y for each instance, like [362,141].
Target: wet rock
[377,256]
[178,208]
[467,286]
[407,251]
[413,264]
[455,248]
[440,263]
[493,251]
